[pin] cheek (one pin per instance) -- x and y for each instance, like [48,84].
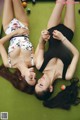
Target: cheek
[31,73]
[36,88]
[26,78]
[46,83]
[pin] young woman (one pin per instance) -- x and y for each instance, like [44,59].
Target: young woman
[20,51]
[61,58]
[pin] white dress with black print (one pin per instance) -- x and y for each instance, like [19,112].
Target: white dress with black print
[20,41]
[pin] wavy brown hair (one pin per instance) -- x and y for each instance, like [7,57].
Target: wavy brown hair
[16,79]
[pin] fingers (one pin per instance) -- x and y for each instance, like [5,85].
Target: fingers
[57,34]
[26,30]
[45,35]
[45,32]
[32,72]
[23,31]
[31,69]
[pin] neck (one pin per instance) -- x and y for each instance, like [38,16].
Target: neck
[51,75]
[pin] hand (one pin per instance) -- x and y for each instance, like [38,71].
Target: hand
[22,31]
[45,35]
[31,73]
[58,35]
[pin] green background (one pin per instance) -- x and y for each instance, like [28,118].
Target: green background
[21,106]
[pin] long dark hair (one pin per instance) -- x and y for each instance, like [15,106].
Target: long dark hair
[16,79]
[64,99]
[44,95]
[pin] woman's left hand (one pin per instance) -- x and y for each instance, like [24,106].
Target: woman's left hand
[57,35]
[45,35]
[21,31]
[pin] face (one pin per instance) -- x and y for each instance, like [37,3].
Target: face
[30,76]
[43,84]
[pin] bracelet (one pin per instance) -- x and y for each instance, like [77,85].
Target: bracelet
[63,39]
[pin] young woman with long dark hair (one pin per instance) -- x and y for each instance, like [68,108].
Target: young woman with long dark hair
[60,60]
[20,51]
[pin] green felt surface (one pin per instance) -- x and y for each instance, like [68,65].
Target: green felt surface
[21,106]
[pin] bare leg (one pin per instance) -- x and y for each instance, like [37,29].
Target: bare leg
[1,7]
[8,14]
[19,12]
[55,18]
[69,19]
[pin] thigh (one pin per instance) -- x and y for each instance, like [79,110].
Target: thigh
[20,12]
[7,13]
[69,19]
[55,17]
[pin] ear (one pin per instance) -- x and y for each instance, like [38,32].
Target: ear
[51,88]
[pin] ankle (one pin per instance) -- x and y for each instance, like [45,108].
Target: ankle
[70,2]
[61,1]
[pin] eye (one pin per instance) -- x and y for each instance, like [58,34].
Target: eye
[41,85]
[30,79]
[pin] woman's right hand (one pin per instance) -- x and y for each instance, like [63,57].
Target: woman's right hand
[22,31]
[45,35]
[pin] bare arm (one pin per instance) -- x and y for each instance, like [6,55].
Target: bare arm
[40,48]
[20,31]
[4,55]
[7,37]
[72,67]
[39,53]
[3,52]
